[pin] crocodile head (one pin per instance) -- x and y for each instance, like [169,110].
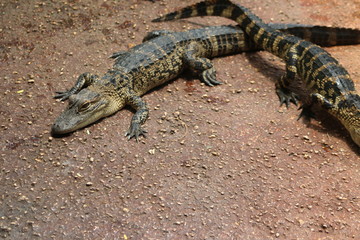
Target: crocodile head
[355,135]
[350,116]
[86,107]
[354,130]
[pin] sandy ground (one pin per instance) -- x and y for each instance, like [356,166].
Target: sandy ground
[218,163]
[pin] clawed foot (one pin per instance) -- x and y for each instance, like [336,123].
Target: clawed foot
[135,131]
[83,81]
[306,112]
[286,96]
[63,95]
[209,77]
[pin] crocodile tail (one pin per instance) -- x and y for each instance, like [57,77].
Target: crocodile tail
[249,22]
[196,10]
[321,35]
[326,36]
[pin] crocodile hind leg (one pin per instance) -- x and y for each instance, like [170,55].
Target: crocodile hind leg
[140,116]
[118,54]
[284,93]
[306,112]
[148,36]
[83,81]
[155,33]
[282,85]
[200,65]
[316,98]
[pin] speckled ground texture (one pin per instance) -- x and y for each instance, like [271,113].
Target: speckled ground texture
[222,162]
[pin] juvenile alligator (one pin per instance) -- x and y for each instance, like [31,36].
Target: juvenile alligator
[160,58]
[329,83]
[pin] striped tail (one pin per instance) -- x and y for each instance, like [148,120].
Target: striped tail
[321,35]
[249,22]
[264,35]
[324,36]
[221,8]
[205,8]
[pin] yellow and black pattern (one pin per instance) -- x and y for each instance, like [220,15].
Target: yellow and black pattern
[161,57]
[329,83]
[321,35]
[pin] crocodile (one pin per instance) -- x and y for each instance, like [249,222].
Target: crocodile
[328,83]
[161,57]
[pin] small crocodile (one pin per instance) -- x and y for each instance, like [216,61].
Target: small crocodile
[161,57]
[328,82]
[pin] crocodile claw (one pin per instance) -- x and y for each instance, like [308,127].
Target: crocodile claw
[306,112]
[135,131]
[63,95]
[209,77]
[286,96]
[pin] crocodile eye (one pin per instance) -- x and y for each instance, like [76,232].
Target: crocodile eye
[85,106]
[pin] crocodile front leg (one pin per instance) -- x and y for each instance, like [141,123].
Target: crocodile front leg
[282,85]
[83,81]
[200,65]
[140,116]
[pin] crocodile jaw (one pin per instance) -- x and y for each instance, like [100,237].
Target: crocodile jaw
[355,135]
[349,116]
[85,108]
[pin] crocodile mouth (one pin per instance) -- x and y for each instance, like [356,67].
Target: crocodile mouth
[71,120]
[57,129]
[355,135]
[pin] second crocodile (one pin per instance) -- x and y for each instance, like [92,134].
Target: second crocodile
[329,84]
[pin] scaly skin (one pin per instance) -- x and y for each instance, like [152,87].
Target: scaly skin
[161,57]
[329,83]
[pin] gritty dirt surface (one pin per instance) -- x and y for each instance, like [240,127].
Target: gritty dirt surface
[220,162]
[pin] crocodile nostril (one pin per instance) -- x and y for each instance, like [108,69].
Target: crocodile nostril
[55,128]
